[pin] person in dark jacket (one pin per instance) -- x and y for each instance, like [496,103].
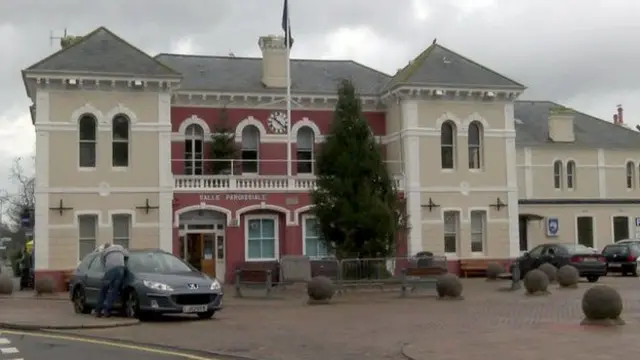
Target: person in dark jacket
[25,269]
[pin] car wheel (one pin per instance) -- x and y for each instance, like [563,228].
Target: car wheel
[592,278]
[132,306]
[79,299]
[206,314]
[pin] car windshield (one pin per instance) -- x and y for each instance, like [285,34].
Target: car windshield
[615,250]
[578,249]
[156,262]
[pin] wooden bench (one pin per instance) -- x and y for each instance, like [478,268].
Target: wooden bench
[477,267]
[420,277]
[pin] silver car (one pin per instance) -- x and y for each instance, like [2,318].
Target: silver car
[156,282]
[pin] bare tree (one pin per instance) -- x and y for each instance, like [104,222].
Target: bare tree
[14,204]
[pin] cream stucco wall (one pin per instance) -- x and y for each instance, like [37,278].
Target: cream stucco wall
[68,106]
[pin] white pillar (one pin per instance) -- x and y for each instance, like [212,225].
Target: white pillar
[411,158]
[41,211]
[165,176]
[512,181]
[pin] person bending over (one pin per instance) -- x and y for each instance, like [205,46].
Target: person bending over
[113,261]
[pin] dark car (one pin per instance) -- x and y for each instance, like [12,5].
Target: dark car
[155,282]
[589,263]
[622,257]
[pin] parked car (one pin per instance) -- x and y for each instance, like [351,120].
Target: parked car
[622,257]
[155,282]
[589,263]
[626,241]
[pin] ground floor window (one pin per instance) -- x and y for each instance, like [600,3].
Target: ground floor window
[451,230]
[314,248]
[261,234]
[121,229]
[584,225]
[87,234]
[478,230]
[620,226]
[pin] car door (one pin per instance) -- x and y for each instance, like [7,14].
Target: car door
[93,281]
[554,255]
[530,260]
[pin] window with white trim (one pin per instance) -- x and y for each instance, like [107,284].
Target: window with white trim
[557,174]
[261,238]
[87,141]
[193,150]
[571,174]
[121,229]
[87,234]
[250,149]
[448,145]
[478,230]
[304,150]
[474,139]
[120,141]
[451,231]
[314,248]
[631,175]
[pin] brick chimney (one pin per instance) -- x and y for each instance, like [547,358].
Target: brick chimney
[615,119]
[620,117]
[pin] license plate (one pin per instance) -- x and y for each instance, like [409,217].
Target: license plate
[590,259]
[194,308]
[615,265]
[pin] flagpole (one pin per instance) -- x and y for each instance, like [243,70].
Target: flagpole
[287,37]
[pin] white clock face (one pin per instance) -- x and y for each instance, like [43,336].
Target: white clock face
[278,122]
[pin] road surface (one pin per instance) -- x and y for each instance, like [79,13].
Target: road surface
[18,345]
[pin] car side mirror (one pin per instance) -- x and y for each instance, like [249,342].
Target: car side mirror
[526,255]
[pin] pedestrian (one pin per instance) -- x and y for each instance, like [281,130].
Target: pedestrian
[25,269]
[113,262]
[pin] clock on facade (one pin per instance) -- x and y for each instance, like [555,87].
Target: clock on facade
[278,122]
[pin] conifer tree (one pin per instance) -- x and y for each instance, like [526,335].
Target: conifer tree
[355,200]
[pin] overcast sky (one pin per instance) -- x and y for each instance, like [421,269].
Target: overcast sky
[581,53]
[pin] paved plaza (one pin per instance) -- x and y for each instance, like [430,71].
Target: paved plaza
[487,324]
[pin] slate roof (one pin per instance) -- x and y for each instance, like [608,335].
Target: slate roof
[104,53]
[532,129]
[242,74]
[439,66]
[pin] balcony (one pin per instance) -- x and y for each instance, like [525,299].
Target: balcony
[261,175]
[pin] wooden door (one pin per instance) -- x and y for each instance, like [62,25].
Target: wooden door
[194,250]
[208,259]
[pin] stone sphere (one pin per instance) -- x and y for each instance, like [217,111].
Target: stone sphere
[568,276]
[6,285]
[550,270]
[44,285]
[449,286]
[536,281]
[494,270]
[320,288]
[601,302]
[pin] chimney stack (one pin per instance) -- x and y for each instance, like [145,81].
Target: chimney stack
[615,119]
[620,118]
[274,61]
[561,125]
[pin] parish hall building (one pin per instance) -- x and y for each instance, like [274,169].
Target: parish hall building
[123,155]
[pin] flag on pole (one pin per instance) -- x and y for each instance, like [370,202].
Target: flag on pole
[286,24]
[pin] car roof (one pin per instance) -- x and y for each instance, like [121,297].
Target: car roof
[626,241]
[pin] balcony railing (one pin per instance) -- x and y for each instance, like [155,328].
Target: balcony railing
[255,175]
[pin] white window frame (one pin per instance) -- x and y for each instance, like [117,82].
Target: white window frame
[483,232]
[276,220]
[630,177]
[571,169]
[257,150]
[557,175]
[94,215]
[113,223]
[453,146]
[94,142]
[478,147]
[458,218]
[120,141]
[193,160]
[304,220]
[309,151]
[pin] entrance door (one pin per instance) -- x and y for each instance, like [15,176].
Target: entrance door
[620,228]
[208,260]
[194,250]
[584,226]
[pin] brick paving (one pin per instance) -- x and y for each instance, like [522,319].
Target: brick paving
[378,325]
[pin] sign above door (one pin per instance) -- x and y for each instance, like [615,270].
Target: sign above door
[233,197]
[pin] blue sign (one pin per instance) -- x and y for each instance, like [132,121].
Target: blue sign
[638,222]
[25,219]
[553,226]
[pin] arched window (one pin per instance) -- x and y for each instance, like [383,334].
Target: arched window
[571,174]
[475,145]
[448,145]
[557,174]
[193,146]
[631,175]
[120,141]
[87,141]
[250,149]
[304,144]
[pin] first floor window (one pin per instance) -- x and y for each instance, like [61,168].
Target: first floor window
[88,233]
[451,226]
[261,239]
[478,229]
[314,248]
[121,229]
